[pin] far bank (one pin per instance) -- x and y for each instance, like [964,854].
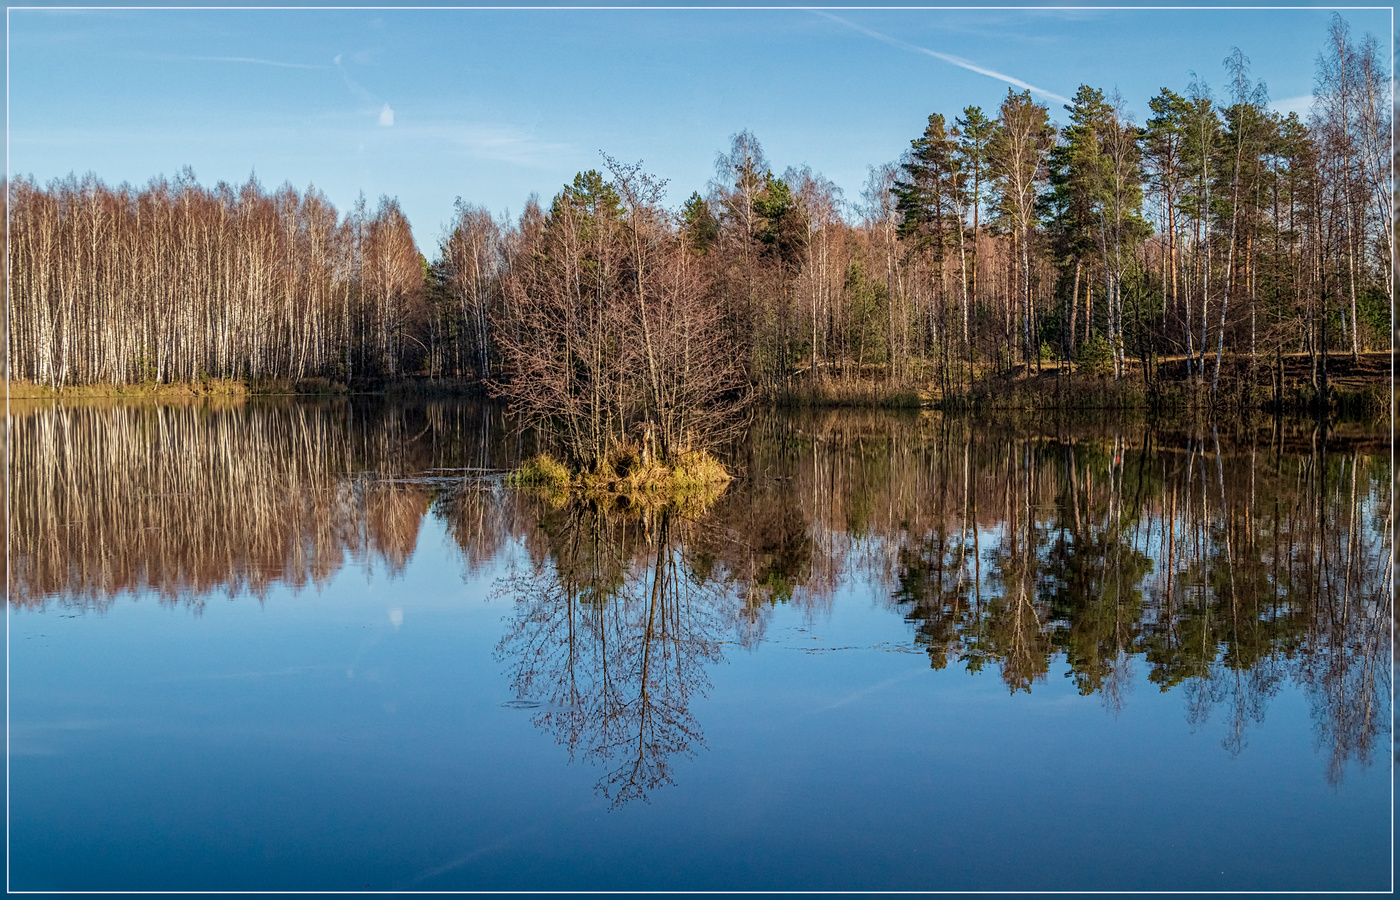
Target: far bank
[1292,384]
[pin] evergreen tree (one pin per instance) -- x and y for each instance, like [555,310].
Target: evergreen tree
[973,132]
[1018,152]
[1078,174]
[1163,143]
[700,224]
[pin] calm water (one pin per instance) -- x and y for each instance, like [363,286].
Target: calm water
[307,645]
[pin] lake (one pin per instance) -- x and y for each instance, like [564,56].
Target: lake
[319,645]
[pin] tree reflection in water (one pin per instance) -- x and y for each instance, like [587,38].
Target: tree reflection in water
[1228,573]
[612,630]
[186,501]
[1227,565]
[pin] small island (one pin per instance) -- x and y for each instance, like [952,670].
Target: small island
[630,372]
[691,481]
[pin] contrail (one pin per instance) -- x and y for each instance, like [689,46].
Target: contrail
[354,85]
[945,57]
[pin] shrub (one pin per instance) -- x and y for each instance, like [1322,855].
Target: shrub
[1095,357]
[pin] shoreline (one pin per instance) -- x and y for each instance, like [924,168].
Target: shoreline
[1361,388]
[218,387]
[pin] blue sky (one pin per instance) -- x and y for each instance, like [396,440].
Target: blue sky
[489,105]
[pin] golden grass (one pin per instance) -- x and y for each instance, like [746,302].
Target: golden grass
[541,470]
[212,387]
[689,483]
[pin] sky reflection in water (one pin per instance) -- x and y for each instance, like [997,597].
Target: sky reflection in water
[320,646]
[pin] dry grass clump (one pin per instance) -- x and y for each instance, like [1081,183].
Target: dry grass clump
[541,470]
[695,468]
[627,477]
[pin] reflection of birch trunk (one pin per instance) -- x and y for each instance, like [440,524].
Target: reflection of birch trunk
[186,501]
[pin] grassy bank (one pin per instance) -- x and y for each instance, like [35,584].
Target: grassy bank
[219,387]
[1359,388]
[690,482]
[213,387]
[405,387]
[862,391]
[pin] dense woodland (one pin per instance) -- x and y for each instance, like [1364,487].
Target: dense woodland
[1004,240]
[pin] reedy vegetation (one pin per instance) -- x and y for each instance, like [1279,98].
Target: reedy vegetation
[993,246]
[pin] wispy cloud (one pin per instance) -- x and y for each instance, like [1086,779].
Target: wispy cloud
[507,143]
[1300,105]
[257,62]
[386,116]
[945,57]
[496,141]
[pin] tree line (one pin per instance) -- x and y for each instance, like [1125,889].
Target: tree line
[177,282]
[999,242]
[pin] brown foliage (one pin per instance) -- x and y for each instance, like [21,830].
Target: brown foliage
[608,334]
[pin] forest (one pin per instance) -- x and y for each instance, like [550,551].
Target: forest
[1215,234]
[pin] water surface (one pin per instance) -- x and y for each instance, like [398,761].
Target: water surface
[320,646]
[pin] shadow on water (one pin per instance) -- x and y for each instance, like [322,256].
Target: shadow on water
[1225,565]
